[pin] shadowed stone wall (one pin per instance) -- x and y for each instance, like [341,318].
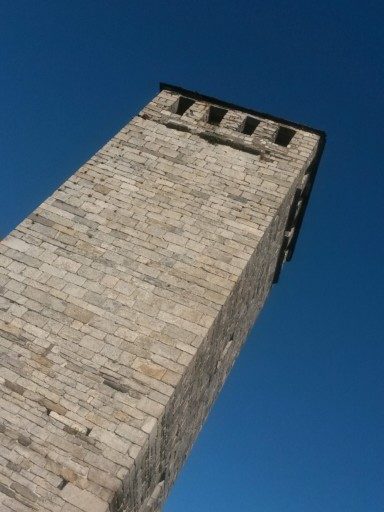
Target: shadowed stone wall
[126,297]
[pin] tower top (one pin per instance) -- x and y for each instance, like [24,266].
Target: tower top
[283,123]
[232,106]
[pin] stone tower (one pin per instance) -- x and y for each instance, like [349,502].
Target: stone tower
[127,295]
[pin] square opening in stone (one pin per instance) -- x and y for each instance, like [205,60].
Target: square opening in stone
[216,114]
[182,105]
[284,136]
[249,125]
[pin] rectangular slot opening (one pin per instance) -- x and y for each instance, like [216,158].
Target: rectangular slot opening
[284,136]
[216,114]
[62,484]
[182,105]
[249,125]
[292,210]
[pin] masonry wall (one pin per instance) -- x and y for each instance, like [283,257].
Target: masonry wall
[126,297]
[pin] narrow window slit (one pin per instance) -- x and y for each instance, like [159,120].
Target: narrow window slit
[280,259]
[182,105]
[216,114]
[293,210]
[284,136]
[88,431]
[249,125]
[62,484]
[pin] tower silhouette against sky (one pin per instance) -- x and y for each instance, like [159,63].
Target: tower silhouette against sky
[127,295]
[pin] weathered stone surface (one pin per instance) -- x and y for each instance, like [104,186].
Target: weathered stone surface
[83,499]
[126,297]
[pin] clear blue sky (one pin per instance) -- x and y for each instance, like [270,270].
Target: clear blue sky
[299,426]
